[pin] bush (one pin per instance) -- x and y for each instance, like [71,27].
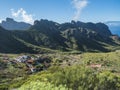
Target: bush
[41,86]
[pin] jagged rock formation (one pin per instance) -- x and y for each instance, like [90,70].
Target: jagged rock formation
[67,36]
[10,24]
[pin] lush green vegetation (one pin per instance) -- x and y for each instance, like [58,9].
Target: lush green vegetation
[68,71]
[73,78]
[76,68]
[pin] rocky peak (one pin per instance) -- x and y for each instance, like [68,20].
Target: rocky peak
[9,20]
[10,24]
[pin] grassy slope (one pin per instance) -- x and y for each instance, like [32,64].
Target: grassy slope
[35,48]
[66,63]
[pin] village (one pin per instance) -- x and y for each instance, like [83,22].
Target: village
[33,64]
[36,63]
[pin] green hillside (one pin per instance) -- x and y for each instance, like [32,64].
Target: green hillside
[69,36]
[86,37]
[70,72]
[9,43]
[68,56]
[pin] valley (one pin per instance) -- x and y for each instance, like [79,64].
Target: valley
[59,45]
[48,36]
[53,56]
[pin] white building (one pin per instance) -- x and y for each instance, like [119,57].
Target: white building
[23,58]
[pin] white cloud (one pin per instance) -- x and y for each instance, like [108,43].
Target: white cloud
[0,21]
[79,5]
[21,13]
[113,24]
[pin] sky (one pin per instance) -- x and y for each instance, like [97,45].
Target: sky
[60,10]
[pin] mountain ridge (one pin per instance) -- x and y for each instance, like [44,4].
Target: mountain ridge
[66,37]
[11,24]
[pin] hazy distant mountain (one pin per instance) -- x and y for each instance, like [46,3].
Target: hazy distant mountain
[10,24]
[114,26]
[67,36]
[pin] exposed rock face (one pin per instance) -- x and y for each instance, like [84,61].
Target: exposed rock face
[115,37]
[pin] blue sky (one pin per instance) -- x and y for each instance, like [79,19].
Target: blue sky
[61,10]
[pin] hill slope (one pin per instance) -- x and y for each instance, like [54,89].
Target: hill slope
[67,36]
[9,43]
